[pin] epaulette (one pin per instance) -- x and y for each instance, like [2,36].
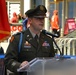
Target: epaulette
[13,36]
[20,40]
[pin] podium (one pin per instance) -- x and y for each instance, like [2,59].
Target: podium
[50,66]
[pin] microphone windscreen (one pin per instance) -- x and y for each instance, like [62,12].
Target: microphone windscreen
[44,31]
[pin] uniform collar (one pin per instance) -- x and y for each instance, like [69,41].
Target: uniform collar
[33,34]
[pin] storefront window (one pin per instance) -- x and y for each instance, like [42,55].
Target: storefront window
[39,2]
[51,0]
[52,7]
[60,13]
[71,9]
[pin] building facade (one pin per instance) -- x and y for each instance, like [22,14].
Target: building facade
[66,8]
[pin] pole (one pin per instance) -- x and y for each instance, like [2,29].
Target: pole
[47,23]
[63,19]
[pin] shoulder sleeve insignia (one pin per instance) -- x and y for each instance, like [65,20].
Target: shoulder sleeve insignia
[12,38]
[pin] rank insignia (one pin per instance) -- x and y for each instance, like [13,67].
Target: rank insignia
[45,44]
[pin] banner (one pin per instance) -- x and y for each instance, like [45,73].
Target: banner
[4,24]
[70,25]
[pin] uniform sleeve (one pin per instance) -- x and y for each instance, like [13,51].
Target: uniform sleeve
[11,56]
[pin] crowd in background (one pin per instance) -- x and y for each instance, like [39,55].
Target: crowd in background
[54,21]
[16,18]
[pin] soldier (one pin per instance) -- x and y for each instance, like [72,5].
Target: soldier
[30,48]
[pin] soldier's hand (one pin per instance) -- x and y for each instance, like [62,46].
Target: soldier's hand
[24,63]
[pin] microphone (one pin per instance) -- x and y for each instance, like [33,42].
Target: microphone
[48,33]
[54,35]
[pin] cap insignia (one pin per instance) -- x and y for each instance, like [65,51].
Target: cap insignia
[41,8]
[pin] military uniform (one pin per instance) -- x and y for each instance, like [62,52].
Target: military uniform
[29,50]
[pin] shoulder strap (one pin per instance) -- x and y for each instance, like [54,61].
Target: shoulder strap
[20,42]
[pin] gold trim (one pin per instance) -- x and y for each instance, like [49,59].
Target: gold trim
[6,37]
[4,32]
[1,40]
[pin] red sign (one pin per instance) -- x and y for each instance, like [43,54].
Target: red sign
[69,25]
[15,28]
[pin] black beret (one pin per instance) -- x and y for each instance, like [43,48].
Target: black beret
[39,11]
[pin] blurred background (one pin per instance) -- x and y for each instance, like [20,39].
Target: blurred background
[66,12]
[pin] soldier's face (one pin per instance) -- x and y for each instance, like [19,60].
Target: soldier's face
[37,23]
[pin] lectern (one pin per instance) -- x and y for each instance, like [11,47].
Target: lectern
[48,66]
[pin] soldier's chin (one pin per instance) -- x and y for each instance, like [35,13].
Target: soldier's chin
[41,26]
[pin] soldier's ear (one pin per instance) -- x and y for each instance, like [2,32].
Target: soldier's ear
[30,20]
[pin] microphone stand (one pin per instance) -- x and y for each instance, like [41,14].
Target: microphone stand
[61,54]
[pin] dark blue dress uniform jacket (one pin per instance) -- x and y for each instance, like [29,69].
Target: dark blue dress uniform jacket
[29,50]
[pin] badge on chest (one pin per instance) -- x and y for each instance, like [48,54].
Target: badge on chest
[45,44]
[27,45]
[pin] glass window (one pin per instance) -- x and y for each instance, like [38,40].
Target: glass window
[60,13]
[52,7]
[70,9]
[39,2]
[51,0]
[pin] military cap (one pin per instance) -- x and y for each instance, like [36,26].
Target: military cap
[39,11]
[28,11]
